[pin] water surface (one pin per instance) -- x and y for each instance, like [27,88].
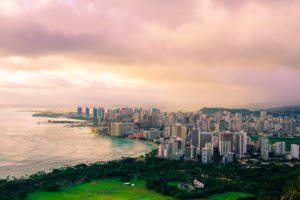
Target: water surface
[27,147]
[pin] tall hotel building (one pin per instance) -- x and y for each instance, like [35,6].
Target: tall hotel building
[264,148]
[225,142]
[295,151]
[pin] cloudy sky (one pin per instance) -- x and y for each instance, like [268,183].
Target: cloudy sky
[175,53]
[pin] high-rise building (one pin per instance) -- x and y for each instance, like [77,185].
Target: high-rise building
[101,112]
[122,129]
[238,122]
[228,158]
[176,132]
[179,130]
[225,141]
[260,126]
[171,149]
[201,125]
[96,122]
[264,148]
[79,111]
[226,148]
[183,133]
[137,117]
[207,153]
[220,126]
[279,148]
[87,112]
[204,138]
[240,144]
[292,127]
[295,151]
[208,124]
[167,132]
[155,117]
[154,133]
[190,152]
[96,113]
[195,137]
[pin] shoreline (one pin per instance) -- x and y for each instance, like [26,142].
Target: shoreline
[155,146]
[27,166]
[49,114]
[88,162]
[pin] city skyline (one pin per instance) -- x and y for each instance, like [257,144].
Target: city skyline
[186,54]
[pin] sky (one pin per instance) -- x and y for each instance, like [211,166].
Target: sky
[164,53]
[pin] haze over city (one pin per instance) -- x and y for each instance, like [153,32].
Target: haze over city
[153,52]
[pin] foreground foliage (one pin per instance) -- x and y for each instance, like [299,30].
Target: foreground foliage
[272,181]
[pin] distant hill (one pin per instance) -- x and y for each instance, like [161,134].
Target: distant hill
[292,111]
[208,111]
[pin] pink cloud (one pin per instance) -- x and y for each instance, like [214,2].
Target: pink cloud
[194,52]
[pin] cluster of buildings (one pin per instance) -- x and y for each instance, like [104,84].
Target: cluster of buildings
[220,136]
[278,149]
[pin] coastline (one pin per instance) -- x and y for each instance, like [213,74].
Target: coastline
[44,147]
[154,145]
[50,114]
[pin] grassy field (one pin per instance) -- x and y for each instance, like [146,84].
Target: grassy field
[174,183]
[228,196]
[107,189]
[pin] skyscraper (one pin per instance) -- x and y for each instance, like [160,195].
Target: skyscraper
[206,155]
[203,139]
[96,112]
[226,148]
[194,137]
[295,151]
[264,148]
[260,126]
[122,129]
[190,152]
[238,122]
[79,111]
[176,132]
[101,113]
[96,122]
[240,144]
[171,149]
[183,133]
[87,112]
[279,148]
[224,139]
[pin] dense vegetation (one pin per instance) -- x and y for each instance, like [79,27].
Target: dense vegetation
[263,181]
[209,111]
[292,111]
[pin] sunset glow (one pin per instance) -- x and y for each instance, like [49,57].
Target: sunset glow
[165,53]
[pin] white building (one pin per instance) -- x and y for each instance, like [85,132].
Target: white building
[121,129]
[198,184]
[295,151]
[264,148]
[279,148]
[170,149]
[206,155]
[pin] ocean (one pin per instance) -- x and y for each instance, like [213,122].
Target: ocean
[27,147]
